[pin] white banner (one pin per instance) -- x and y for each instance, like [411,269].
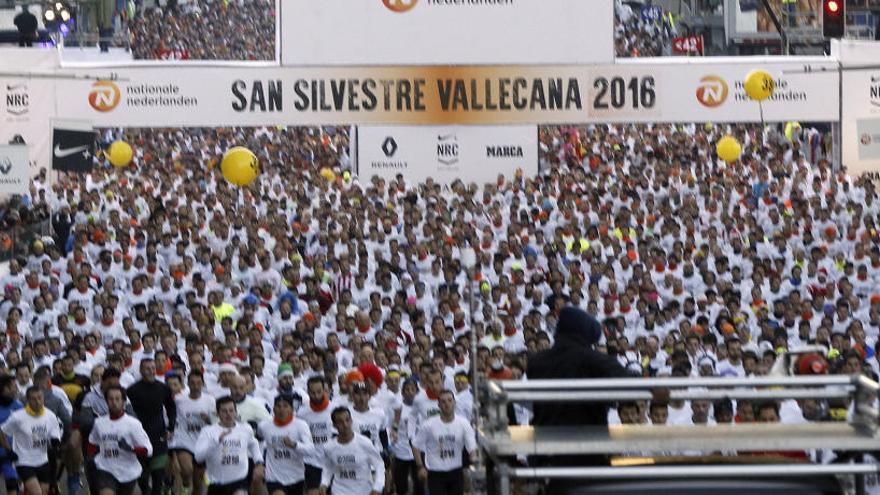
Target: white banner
[446,153]
[456,32]
[860,127]
[28,103]
[14,177]
[675,91]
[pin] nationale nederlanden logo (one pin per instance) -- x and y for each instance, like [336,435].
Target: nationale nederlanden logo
[104,96]
[400,6]
[712,91]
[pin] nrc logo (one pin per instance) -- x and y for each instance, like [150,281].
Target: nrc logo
[17,99]
[447,149]
[400,6]
[104,96]
[712,91]
[875,93]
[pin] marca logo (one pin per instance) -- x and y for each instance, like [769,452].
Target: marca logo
[712,91]
[104,96]
[504,152]
[400,6]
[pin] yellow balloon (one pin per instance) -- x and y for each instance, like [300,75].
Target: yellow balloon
[759,85]
[120,154]
[240,166]
[328,174]
[728,149]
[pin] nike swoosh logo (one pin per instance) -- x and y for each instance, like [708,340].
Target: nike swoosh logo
[444,137]
[69,151]
[13,87]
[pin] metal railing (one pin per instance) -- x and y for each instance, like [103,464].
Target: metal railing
[501,441]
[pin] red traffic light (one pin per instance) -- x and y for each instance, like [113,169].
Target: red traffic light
[832,6]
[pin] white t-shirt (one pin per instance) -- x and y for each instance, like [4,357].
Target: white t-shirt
[190,420]
[31,436]
[400,447]
[123,465]
[370,423]
[355,468]
[442,442]
[321,427]
[285,465]
[227,459]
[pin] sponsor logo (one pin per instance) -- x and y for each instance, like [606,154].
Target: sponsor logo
[712,91]
[504,152]
[104,96]
[17,99]
[400,6]
[447,149]
[5,165]
[389,146]
[874,91]
[61,153]
[403,6]
[865,139]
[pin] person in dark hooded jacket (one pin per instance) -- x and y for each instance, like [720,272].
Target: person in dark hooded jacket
[572,356]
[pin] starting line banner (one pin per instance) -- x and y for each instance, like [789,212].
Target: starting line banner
[675,91]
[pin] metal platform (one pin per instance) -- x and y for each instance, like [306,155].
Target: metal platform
[621,439]
[503,442]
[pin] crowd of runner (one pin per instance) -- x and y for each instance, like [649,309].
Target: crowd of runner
[304,332]
[205,30]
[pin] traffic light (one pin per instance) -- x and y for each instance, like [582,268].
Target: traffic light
[833,18]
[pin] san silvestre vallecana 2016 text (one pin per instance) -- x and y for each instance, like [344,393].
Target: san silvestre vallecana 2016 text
[407,95]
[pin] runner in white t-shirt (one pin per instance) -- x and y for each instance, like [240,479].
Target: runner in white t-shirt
[118,442]
[442,439]
[225,448]
[34,430]
[368,421]
[194,412]
[403,464]
[317,415]
[287,440]
[351,462]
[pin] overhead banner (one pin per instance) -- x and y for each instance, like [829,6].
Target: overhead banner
[455,32]
[446,153]
[28,103]
[14,176]
[477,95]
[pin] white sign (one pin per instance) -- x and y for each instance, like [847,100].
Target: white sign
[860,124]
[684,90]
[14,177]
[860,127]
[446,153]
[27,104]
[409,32]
